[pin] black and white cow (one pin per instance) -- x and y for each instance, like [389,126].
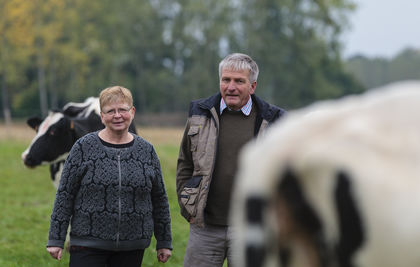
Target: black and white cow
[334,184]
[56,134]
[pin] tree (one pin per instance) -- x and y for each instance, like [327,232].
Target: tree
[168,51]
[199,32]
[296,44]
[16,39]
[377,71]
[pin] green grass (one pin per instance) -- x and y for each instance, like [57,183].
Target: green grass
[26,199]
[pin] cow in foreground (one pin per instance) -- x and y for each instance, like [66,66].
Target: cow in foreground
[334,184]
[56,134]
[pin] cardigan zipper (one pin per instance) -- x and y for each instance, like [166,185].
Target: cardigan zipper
[119,199]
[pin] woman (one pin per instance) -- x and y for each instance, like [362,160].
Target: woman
[112,192]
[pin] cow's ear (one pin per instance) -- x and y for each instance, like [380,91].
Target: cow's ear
[72,111]
[34,122]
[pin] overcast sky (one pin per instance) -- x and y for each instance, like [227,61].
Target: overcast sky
[383,28]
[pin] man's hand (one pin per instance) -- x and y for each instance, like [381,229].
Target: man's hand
[55,252]
[163,254]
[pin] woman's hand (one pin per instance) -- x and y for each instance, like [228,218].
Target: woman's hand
[163,254]
[55,252]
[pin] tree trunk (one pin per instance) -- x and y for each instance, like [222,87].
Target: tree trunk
[5,102]
[42,87]
[141,95]
[53,86]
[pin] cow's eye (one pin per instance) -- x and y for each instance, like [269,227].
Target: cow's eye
[51,132]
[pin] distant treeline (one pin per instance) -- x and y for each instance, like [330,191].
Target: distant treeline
[167,51]
[374,72]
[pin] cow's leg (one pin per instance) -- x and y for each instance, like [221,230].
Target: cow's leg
[55,171]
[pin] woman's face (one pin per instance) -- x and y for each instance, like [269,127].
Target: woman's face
[117,116]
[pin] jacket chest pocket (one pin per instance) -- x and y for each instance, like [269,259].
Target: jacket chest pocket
[193,135]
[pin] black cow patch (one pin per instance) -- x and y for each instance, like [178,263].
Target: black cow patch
[284,256]
[255,255]
[350,222]
[254,210]
[302,213]
[255,252]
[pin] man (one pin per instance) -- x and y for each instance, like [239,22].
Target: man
[216,130]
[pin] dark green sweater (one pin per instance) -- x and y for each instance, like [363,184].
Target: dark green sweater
[236,129]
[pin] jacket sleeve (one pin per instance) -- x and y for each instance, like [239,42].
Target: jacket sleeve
[185,168]
[64,199]
[161,213]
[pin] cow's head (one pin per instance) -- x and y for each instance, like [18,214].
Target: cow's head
[58,132]
[52,142]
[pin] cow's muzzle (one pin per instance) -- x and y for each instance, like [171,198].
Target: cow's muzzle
[29,161]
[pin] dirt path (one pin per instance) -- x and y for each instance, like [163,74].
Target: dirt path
[155,135]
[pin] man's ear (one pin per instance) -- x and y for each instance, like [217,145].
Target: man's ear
[253,87]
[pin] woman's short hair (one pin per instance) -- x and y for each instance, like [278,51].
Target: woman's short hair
[238,61]
[115,94]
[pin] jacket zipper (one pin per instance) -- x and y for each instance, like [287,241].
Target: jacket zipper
[119,199]
[216,120]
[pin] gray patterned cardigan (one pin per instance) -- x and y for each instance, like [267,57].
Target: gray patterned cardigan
[114,197]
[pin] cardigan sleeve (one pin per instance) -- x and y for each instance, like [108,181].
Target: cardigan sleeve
[64,199]
[161,214]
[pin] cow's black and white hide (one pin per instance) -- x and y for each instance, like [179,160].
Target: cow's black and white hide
[56,134]
[334,184]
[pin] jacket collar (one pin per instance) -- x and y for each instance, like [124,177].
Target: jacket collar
[211,102]
[265,110]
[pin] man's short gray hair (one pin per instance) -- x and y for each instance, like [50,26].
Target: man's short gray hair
[238,61]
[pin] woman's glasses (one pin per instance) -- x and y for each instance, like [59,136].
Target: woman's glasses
[121,111]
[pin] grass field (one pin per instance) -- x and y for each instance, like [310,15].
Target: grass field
[27,196]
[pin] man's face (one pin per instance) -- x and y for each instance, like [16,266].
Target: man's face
[236,88]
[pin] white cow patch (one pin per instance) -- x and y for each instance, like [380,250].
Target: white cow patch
[92,104]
